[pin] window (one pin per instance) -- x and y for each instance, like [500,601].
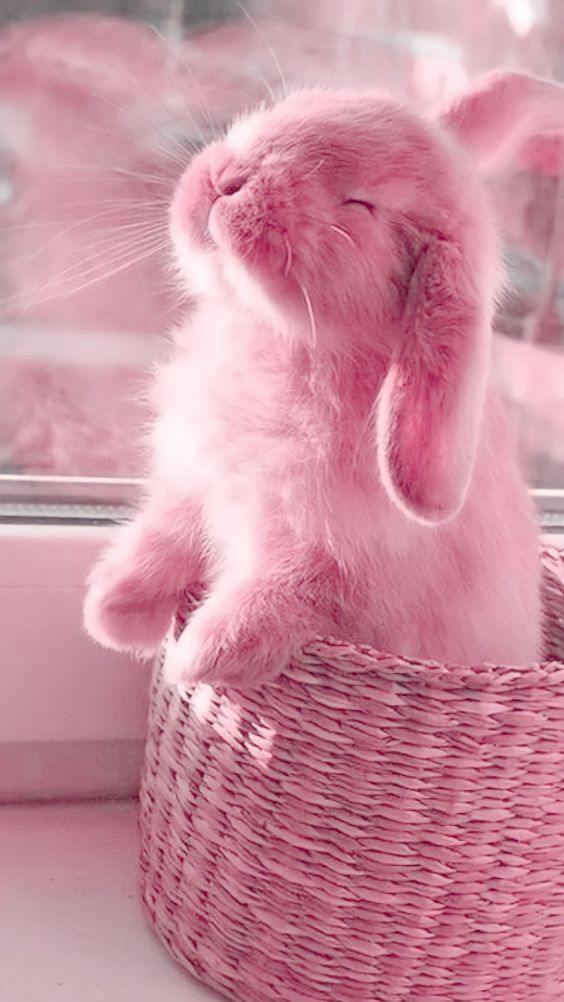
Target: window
[101,103]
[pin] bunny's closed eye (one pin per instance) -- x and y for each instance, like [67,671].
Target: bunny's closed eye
[361,203]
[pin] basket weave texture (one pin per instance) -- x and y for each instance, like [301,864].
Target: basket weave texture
[365,828]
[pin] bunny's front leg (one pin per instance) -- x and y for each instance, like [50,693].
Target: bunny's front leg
[245,634]
[134,589]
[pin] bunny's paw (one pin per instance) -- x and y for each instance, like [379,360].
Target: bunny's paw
[219,650]
[121,613]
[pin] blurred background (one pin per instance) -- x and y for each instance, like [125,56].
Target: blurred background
[102,102]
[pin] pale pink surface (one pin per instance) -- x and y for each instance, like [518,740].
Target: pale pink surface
[330,458]
[71,926]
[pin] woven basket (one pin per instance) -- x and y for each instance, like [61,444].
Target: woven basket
[365,828]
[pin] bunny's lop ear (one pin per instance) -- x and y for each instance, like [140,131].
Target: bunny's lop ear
[430,406]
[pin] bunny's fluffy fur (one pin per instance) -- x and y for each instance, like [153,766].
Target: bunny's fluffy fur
[330,458]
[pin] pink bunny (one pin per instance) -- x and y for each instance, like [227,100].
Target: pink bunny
[330,456]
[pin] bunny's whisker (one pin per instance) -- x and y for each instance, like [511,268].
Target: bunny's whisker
[289,257]
[346,236]
[311,314]
[314,170]
[268,47]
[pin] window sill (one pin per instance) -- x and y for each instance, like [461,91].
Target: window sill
[71,924]
[72,716]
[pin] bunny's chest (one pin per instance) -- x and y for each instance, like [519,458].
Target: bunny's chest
[235,425]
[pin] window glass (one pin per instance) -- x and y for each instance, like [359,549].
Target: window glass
[102,104]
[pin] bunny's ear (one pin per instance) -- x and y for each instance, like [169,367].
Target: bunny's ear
[502,111]
[429,410]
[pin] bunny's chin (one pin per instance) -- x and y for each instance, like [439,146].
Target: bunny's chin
[250,258]
[217,267]
[232,245]
[245,230]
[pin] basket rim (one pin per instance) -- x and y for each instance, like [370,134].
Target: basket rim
[358,659]
[331,662]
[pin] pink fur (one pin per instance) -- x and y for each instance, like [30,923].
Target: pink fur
[330,456]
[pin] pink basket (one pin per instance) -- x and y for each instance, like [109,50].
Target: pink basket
[365,828]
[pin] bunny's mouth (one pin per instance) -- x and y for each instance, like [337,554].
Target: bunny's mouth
[244,224]
[231,215]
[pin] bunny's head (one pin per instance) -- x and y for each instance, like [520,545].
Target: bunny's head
[317,211]
[345,220]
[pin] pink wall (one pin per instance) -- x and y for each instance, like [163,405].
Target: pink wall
[55,684]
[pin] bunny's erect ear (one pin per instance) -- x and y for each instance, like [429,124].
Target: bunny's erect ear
[430,406]
[502,111]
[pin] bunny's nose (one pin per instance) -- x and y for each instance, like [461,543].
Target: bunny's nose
[230,183]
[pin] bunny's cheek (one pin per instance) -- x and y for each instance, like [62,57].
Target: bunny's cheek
[245,230]
[192,204]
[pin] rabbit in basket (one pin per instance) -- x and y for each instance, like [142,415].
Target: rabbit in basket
[330,457]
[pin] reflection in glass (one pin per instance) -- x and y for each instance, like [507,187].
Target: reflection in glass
[101,106]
